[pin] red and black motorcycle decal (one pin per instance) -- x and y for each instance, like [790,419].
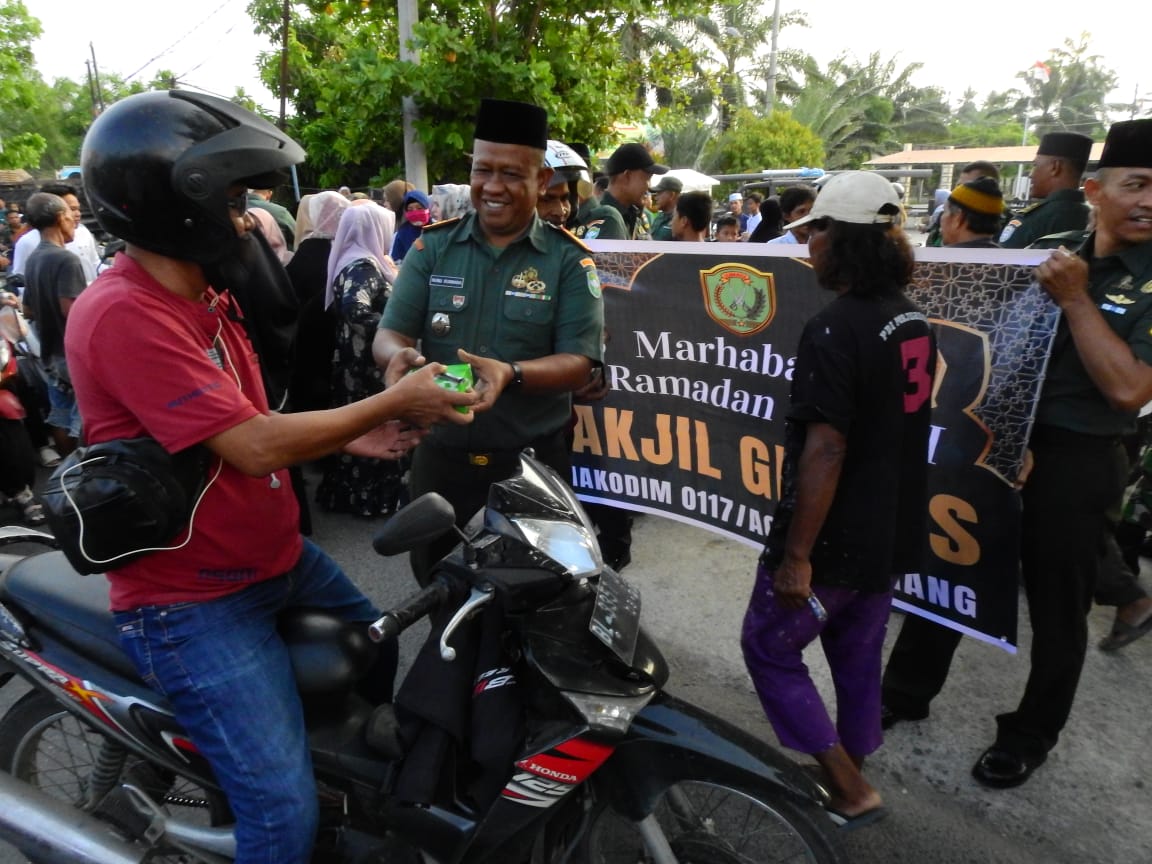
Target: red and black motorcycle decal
[545,778]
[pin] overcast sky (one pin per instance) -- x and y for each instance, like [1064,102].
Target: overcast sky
[981,44]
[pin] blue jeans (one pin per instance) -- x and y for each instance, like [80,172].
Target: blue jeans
[229,679]
[63,412]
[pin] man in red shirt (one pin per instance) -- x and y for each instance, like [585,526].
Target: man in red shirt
[156,351]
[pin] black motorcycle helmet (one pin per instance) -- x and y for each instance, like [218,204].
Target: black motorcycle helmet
[157,167]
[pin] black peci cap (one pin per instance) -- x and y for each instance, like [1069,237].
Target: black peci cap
[1066,145]
[1128,145]
[505,122]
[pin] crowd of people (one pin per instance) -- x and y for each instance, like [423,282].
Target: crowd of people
[182,339]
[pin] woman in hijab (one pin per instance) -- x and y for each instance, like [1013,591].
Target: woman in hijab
[266,225]
[416,214]
[311,383]
[303,219]
[355,296]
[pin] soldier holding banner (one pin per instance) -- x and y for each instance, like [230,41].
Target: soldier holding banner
[1099,376]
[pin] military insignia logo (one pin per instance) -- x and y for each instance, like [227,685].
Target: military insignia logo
[441,324]
[739,298]
[458,301]
[529,280]
[1121,299]
[1146,288]
[593,281]
[590,231]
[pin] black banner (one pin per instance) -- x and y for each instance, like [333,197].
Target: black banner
[701,348]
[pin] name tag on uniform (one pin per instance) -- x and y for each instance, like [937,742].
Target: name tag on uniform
[455,283]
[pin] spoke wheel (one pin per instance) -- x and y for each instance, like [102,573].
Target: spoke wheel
[46,746]
[707,823]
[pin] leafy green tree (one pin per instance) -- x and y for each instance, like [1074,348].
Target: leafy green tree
[860,110]
[1069,90]
[683,141]
[61,113]
[730,39]
[346,81]
[753,143]
[993,123]
[19,148]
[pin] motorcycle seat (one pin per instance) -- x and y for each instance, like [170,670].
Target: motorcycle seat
[328,655]
[71,607]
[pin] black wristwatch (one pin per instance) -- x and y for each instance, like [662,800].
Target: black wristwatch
[517,374]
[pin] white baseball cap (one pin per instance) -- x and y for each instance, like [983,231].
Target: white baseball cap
[735,196]
[860,197]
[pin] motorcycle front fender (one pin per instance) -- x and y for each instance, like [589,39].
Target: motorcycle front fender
[672,741]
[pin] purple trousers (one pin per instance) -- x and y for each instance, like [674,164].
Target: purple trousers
[774,639]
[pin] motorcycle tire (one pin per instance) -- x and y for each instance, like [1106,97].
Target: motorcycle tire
[710,823]
[48,747]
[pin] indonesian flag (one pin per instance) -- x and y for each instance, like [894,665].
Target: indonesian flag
[1043,67]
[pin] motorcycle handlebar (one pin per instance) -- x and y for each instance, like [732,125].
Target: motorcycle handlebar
[395,621]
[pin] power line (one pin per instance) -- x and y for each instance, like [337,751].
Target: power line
[207,58]
[167,50]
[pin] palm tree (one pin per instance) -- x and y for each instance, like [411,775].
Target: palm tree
[861,109]
[730,40]
[1069,90]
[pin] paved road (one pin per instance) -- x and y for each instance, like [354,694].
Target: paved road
[1089,805]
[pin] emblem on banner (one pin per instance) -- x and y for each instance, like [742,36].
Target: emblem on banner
[739,298]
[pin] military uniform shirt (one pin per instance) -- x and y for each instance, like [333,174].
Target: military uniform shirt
[1121,287]
[1063,210]
[610,220]
[662,226]
[538,296]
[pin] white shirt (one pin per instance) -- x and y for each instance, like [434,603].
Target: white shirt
[83,246]
[754,220]
[786,238]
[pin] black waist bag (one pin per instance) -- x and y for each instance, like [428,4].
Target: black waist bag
[111,503]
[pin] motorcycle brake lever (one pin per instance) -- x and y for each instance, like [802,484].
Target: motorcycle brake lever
[479,597]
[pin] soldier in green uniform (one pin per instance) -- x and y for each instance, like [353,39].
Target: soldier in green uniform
[513,296]
[617,217]
[1056,171]
[570,171]
[665,194]
[1099,376]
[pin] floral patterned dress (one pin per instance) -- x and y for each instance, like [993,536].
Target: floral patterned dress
[354,484]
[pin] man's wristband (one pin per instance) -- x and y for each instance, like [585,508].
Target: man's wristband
[517,375]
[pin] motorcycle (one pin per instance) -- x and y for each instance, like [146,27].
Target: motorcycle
[532,727]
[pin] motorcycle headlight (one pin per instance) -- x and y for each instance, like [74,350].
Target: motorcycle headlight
[608,713]
[571,545]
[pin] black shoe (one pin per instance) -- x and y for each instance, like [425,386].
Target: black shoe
[889,717]
[1003,769]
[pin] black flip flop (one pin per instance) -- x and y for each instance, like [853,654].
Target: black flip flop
[847,823]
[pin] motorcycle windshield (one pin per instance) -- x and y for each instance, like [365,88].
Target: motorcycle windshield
[546,514]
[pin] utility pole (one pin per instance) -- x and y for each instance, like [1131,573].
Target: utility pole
[415,160]
[91,88]
[771,89]
[286,19]
[98,101]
